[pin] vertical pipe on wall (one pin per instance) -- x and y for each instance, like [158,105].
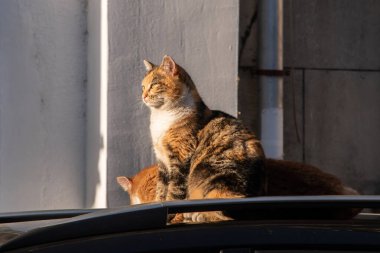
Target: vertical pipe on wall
[270,14]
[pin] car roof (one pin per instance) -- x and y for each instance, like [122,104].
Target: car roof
[134,224]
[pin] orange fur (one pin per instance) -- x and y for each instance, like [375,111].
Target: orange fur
[142,187]
[198,150]
[284,178]
[202,153]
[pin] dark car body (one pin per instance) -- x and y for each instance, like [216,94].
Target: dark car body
[144,228]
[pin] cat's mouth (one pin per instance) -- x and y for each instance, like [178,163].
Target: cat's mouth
[156,103]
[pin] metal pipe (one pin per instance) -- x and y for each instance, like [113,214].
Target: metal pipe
[270,18]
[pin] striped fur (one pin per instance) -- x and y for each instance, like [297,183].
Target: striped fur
[201,153]
[285,178]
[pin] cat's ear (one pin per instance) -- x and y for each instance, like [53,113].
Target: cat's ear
[148,65]
[169,65]
[125,183]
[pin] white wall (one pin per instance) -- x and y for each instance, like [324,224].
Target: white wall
[201,35]
[64,139]
[42,104]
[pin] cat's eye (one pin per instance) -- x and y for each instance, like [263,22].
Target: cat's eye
[154,86]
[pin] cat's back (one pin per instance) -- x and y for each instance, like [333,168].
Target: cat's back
[223,133]
[294,178]
[228,158]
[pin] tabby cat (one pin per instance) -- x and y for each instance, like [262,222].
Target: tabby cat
[285,178]
[201,153]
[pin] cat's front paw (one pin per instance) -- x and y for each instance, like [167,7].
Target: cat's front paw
[194,217]
[197,217]
[206,217]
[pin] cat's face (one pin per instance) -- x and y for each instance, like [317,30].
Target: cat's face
[162,86]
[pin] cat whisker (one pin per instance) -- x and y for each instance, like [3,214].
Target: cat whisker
[138,104]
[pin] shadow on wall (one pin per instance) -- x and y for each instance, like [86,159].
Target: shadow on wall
[96,166]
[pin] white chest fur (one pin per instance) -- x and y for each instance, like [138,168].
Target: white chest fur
[160,122]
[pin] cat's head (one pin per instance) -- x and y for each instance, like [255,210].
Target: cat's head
[128,185]
[141,187]
[167,85]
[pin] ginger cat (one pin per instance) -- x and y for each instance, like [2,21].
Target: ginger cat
[284,178]
[201,153]
[142,187]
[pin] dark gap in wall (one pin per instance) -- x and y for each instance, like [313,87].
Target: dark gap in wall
[248,89]
[303,117]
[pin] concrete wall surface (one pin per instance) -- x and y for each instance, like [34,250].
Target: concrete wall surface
[42,104]
[331,97]
[71,119]
[348,143]
[337,115]
[333,34]
[331,48]
[200,35]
